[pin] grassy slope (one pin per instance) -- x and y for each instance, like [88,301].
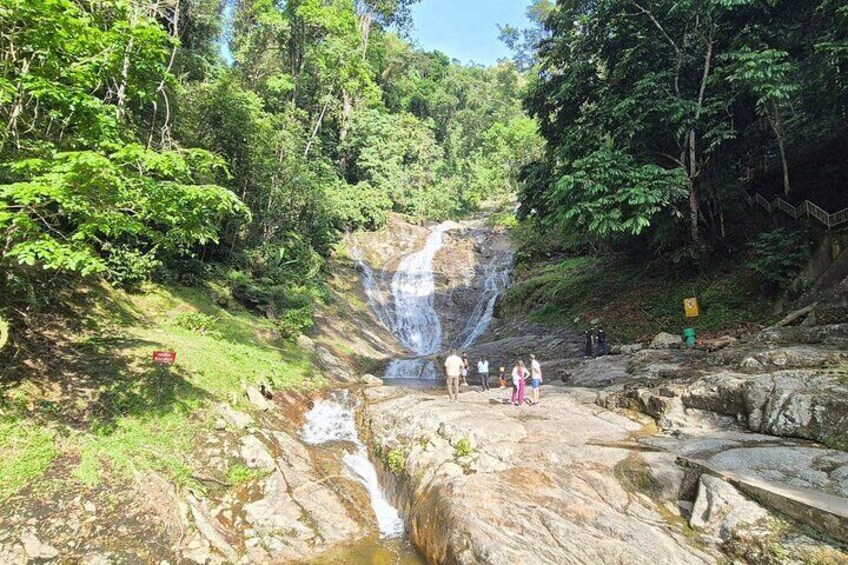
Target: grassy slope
[102,404]
[634,301]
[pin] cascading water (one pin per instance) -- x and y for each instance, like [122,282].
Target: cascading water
[496,279]
[331,420]
[375,299]
[416,322]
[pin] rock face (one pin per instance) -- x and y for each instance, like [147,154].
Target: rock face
[666,341]
[489,483]
[720,510]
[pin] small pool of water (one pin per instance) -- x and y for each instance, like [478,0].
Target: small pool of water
[373,551]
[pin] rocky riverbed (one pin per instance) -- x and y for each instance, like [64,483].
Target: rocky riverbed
[570,481]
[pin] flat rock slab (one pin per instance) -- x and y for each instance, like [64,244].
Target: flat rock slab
[817,509]
[492,483]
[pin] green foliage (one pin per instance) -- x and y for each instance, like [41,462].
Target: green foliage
[195,322]
[129,268]
[632,300]
[27,452]
[239,474]
[606,193]
[396,461]
[778,256]
[653,112]
[463,448]
[295,321]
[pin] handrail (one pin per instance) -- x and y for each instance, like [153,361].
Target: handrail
[806,208]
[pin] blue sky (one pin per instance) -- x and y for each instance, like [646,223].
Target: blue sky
[466,29]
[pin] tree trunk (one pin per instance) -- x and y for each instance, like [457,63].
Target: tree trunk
[777,125]
[692,173]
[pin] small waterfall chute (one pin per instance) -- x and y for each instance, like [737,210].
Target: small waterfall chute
[331,420]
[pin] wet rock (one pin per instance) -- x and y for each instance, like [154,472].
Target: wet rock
[665,340]
[721,511]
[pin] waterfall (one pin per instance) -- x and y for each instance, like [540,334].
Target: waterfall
[496,279]
[372,292]
[416,323]
[331,420]
[413,318]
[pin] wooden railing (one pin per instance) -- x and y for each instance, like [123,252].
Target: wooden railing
[804,209]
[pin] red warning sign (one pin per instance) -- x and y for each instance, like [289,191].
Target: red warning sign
[164,357]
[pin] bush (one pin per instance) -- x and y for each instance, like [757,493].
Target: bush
[295,321]
[129,268]
[463,448]
[779,256]
[195,322]
[396,461]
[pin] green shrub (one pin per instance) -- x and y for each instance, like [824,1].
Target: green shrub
[463,448]
[239,473]
[779,256]
[195,322]
[129,268]
[295,321]
[396,461]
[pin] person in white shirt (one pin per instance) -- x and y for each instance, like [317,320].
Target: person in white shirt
[535,378]
[483,370]
[453,368]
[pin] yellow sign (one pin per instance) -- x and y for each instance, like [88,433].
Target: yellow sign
[690,306]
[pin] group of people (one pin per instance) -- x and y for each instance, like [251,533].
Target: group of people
[457,369]
[598,343]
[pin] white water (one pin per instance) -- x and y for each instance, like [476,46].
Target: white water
[496,279]
[372,293]
[331,420]
[416,322]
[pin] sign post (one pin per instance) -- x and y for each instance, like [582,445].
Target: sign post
[692,311]
[691,307]
[164,357]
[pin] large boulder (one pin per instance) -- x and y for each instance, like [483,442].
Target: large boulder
[722,511]
[665,340]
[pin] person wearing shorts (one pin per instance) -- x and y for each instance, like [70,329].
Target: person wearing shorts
[535,378]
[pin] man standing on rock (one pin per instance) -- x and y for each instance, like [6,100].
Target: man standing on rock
[453,367]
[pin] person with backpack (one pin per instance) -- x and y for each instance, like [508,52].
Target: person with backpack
[603,348]
[483,371]
[519,374]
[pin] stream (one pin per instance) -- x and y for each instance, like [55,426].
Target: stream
[412,318]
